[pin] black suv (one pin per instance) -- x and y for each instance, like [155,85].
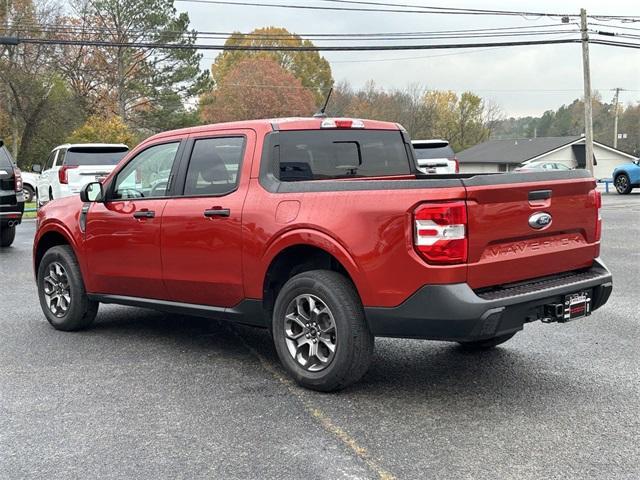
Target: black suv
[11,197]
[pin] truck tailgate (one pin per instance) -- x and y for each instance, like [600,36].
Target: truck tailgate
[505,248]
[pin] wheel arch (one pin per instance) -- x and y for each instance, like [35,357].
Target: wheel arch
[50,238]
[305,251]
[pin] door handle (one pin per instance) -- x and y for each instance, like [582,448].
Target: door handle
[144,214]
[217,212]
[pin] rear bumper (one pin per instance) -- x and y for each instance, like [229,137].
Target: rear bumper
[11,214]
[458,313]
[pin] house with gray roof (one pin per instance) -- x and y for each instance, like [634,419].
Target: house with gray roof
[506,155]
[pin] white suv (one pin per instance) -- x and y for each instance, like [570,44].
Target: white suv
[70,167]
[435,157]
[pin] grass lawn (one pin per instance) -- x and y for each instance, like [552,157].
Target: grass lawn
[28,206]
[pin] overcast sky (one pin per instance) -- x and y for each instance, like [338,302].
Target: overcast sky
[522,80]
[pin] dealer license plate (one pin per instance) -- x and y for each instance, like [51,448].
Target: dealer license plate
[577,305]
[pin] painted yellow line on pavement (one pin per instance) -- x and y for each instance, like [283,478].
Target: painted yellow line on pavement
[318,415]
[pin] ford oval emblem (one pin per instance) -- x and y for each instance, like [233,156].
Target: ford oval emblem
[540,220]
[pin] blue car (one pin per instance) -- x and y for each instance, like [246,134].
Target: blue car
[626,177]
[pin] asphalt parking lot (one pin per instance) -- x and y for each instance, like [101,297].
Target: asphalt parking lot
[147,395]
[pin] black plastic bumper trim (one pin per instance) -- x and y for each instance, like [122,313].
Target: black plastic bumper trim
[249,311]
[455,312]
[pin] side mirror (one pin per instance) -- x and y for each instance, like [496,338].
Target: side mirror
[91,192]
[36,168]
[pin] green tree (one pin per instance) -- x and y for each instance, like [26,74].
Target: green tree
[310,68]
[143,84]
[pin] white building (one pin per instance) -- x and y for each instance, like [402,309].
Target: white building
[505,155]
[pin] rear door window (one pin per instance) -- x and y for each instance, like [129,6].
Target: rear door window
[334,154]
[214,166]
[94,156]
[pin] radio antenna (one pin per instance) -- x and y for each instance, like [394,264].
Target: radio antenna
[321,113]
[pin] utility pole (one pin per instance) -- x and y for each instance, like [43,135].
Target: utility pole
[615,118]
[588,113]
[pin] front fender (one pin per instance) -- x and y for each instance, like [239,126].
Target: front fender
[68,228]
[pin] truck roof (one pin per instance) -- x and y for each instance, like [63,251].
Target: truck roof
[293,123]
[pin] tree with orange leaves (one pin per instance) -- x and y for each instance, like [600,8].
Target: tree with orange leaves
[256,88]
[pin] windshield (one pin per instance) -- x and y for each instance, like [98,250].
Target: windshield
[330,154]
[94,156]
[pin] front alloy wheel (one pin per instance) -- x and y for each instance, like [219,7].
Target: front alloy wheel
[57,293]
[310,331]
[63,298]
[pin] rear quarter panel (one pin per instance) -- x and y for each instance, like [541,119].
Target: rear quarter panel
[369,231]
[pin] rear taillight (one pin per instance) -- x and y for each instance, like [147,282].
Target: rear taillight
[598,202]
[62,173]
[457,162]
[440,232]
[17,174]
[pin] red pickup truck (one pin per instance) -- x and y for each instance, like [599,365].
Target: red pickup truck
[323,231]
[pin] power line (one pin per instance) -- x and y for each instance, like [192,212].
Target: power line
[416,9]
[81,28]
[287,48]
[434,36]
[472,11]
[410,9]
[615,44]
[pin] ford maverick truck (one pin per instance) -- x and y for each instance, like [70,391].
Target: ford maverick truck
[323,231]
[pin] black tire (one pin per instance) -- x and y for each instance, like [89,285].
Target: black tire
[81,311]
[29,193]
[7,235]
[623,184]
[487,344]
[353,341]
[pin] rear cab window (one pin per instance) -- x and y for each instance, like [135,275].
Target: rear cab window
[77,156]
[303,155]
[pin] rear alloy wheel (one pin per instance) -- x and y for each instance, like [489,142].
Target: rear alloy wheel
[7,236]
[310,332]
[320,332]
[623,185]
[61,290]
[479,345]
